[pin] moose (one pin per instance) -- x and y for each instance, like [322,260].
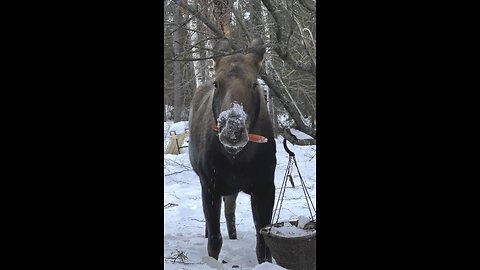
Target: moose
[231,147]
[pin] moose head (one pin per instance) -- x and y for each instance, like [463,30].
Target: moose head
[237,98]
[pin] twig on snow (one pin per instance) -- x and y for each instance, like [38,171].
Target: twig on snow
[198,220]
[177,172]
[168,205]
[172,162]
[177,255]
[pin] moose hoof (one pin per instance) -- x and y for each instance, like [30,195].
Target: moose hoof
[232,236]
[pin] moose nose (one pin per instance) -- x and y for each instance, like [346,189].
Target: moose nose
[235,133]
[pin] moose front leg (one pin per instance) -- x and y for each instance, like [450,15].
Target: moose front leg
[211,208]
[230,204]
[262,207]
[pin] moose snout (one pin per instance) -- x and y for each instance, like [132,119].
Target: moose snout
[235,134]
[234,137]
[232,123]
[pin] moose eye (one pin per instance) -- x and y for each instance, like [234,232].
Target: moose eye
[255,85]
[215,84]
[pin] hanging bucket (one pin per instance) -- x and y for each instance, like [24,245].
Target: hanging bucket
[292,252]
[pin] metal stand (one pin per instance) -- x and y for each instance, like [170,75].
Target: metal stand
[288,175]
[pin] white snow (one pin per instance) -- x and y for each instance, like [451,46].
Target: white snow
[288,230]
[212,262]
[184,223]
[302,221]
[268,266]
[178,127]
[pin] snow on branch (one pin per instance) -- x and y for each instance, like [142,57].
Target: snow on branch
[287,134]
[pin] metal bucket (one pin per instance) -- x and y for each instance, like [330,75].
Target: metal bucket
[293,253]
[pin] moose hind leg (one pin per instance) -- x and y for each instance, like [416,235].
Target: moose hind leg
[262,207]
[230,204]
[211,208]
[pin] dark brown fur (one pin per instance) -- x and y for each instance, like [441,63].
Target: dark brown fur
[222,173]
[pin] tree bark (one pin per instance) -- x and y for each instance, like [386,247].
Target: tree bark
[222,13]
[164,109]
[178,42]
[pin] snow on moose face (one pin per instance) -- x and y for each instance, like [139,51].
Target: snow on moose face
[233,131]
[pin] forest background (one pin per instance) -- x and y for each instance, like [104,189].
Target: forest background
[288,75]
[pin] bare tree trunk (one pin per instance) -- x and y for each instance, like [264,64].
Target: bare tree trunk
[222,13]
[202,76]
[259,17]
[177,67]
[164,108]
[202,72]
[190,84]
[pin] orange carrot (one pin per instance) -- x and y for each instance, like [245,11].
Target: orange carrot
[214,127]
[257,138]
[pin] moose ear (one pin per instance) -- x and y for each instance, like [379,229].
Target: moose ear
[257,49]
[222,45]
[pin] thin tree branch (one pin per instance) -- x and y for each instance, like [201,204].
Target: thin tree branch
[281,27]
[204,58]
[195,12]
[304,39]
[281,91]
[242,25]
[180,26]
[308,5]
[200,32]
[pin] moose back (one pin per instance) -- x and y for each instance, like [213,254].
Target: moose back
[231,147]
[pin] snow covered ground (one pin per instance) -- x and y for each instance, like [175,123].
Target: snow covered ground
[184,223]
